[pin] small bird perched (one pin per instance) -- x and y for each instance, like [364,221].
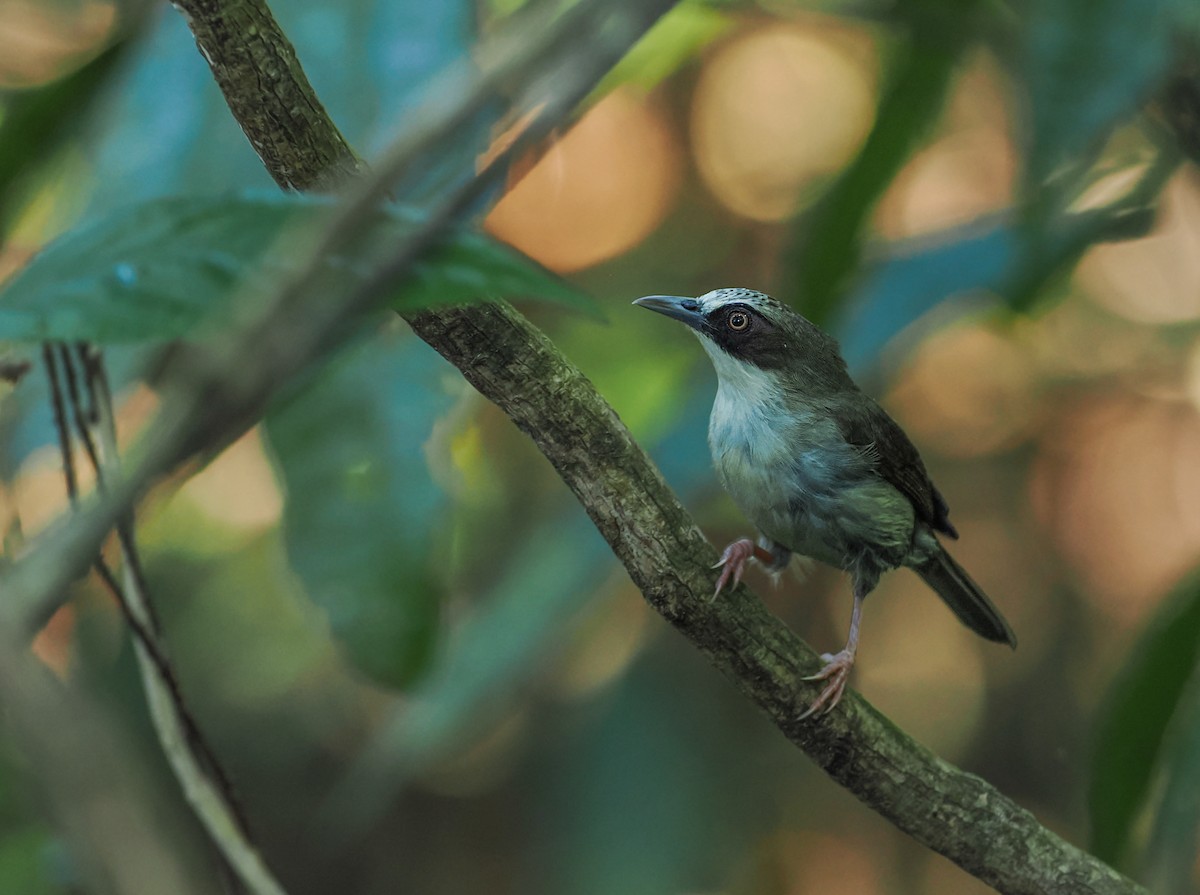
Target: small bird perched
[818,467]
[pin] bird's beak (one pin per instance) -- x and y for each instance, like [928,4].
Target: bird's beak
[679,307]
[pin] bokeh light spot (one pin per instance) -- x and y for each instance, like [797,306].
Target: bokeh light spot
[968,390]
[238,488]
[40,40]
[1118,484]
[966,173]
[1155,279]
[597,192]
[775,110]
[39,494]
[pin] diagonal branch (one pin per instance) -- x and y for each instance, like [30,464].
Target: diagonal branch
[513,364]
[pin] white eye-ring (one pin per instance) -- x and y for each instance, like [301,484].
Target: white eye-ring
[738,321]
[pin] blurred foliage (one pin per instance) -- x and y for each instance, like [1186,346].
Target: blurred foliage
[36,120]
[167,268]
[23,860]
[1141,706]
[549,737]
[920,73]
[992,259]
[672,43]
[1171,851]
[1076,94]
[350,454]
[1181,99]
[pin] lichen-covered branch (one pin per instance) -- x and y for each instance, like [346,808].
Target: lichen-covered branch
[256,68]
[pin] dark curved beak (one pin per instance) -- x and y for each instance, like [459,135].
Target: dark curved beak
[678,307]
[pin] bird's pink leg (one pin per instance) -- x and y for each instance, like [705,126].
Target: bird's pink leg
[733,562]
[837,667]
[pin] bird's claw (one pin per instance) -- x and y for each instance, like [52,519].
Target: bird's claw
[733,563]
[837,672]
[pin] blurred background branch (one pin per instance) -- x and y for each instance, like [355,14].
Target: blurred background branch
[89,770]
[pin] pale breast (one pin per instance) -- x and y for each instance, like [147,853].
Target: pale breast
[798,481]
[782,468]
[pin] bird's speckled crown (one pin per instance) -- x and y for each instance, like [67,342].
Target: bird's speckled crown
[718,298]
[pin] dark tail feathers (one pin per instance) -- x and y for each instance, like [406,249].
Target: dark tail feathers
[965,599]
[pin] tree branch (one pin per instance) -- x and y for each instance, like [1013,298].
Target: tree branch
[513,364]
[256,68]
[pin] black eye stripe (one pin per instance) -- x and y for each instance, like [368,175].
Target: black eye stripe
[760,341]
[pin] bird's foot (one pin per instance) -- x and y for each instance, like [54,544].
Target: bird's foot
[836,672]
[733,563]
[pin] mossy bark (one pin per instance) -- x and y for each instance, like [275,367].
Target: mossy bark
[272,101]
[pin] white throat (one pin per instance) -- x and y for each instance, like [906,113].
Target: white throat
[740,382]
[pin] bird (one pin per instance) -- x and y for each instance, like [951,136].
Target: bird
[818,467]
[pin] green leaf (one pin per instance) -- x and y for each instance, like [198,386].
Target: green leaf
[991,256]
[36,121]
[1171,852]
[1134,718]
[152,271]
[159,270]
[832,235]
[1087,65]
[672,42]
[25,862]
[551,572]
[899,290]
[362,512]
[471,266]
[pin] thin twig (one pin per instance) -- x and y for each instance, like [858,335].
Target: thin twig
[60,422]
[183,740]
[195,763]
[91,362]
[131,597]
[78,413]
[100,414]
[147,641]
[70,476]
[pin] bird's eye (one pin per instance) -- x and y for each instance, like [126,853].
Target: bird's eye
[738,321]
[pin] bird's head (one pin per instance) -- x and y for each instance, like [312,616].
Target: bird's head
[744,327]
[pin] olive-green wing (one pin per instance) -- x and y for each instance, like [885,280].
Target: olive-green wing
[867,426]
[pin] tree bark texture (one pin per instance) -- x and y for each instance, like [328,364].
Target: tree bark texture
[256,68]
